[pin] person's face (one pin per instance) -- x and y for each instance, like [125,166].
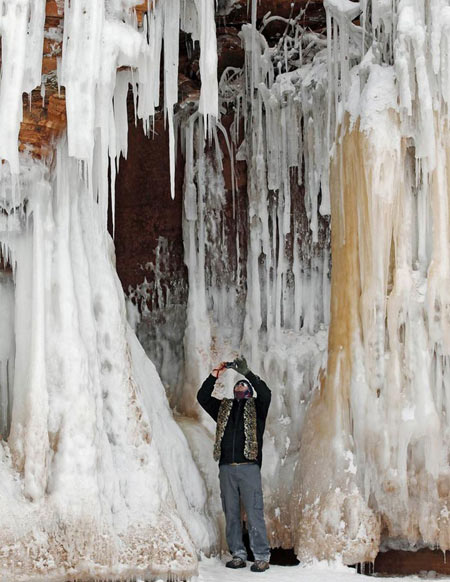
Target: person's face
[241,391]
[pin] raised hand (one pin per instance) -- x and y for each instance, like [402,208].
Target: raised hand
[241,366]
[220,369]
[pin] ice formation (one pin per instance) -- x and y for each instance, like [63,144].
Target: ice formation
[97,478]
[7,349]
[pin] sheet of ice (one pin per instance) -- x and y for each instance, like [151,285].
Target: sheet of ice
[279,318]
[186,484]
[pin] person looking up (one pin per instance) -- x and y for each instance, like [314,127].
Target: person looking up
[238,448]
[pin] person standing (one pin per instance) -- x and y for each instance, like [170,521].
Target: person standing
[238,448]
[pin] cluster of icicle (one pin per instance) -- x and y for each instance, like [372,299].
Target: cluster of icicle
[258,264]
[99,39]
[97,479]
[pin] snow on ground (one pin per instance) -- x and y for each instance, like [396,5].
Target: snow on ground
[213,570]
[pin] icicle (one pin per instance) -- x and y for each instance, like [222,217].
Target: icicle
[7,348]
[197,339]
[83,29]
[171,35]
[149,67]
[208,105]
[34,45]
[13,29]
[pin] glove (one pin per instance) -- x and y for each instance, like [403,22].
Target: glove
[241,366]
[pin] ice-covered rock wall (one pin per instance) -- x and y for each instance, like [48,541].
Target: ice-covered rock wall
[97,478]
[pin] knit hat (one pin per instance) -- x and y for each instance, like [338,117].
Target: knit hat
[248,393]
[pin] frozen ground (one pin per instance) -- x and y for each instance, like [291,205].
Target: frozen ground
[213,570]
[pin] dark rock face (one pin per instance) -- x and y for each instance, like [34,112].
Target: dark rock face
[403,563]
[232,14]
[149,244]
[229,50]
[238,12]
[145,211]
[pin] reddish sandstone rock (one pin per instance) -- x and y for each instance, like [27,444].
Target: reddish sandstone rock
[42,125]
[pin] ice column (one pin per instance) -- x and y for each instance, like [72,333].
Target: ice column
[213,310]
[95,453]
[375,445]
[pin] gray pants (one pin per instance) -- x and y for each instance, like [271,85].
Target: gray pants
[243,482]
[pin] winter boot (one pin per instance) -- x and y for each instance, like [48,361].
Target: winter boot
[260,566]
[236,563]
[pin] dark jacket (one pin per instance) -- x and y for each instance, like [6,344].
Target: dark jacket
[232,450]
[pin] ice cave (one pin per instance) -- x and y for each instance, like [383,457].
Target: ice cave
[185,181]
